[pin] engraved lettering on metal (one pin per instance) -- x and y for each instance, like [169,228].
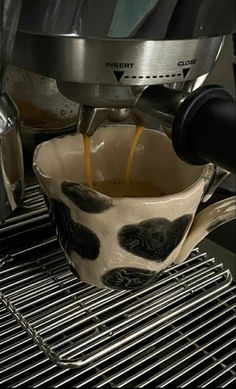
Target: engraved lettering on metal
[119,65]
[144,62]
[187,62]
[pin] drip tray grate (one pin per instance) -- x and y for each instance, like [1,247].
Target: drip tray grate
[178,331]
[75,323]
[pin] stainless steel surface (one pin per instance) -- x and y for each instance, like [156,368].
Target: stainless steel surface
[179,331]
[101,95]
[90,118]
[11,160]
[123,62]
[11,171]
[101,53]
[163,103]
[98,52]
[24,365]
[217,251]
[185,335]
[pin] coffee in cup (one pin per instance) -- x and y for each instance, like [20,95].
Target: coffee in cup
[125,242]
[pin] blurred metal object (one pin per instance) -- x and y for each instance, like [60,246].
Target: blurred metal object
[41,105]
[11,160]
[44,111]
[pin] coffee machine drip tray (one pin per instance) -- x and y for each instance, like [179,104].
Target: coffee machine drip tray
[178,331]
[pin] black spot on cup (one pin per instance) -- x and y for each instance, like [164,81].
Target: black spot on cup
[72,236]
[129,278]
[153,239]
[85,198]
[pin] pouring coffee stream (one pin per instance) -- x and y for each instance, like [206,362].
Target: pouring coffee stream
[201,125]
[145,58]
[136,137]
[127,175]
[134,49]
[87,161]
[113,241]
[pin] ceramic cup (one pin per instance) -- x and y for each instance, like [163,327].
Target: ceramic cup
[125,243]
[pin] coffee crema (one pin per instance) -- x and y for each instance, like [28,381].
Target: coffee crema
[117,187]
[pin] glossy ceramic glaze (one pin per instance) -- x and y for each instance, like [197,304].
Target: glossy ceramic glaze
[124,242]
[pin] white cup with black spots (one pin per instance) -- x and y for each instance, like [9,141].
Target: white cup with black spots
[126,242]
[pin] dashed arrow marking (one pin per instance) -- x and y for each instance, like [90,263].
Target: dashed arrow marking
[185,71]
[118,74]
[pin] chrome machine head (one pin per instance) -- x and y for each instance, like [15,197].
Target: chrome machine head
[104,53]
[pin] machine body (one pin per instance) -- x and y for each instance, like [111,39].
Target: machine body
[112,56]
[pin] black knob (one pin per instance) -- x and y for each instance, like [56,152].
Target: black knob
[204,129]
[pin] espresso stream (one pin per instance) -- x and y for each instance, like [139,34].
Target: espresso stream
[138,133]
[120,187]
[87,159]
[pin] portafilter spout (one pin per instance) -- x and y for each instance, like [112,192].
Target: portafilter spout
[100,103]
[90,118]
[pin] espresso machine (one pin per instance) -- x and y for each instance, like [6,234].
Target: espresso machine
[117,60]
[120,58]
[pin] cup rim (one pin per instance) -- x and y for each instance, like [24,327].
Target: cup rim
[205,176]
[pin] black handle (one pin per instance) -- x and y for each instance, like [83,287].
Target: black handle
[204,128]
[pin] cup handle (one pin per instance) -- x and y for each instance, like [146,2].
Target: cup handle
[206,221]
